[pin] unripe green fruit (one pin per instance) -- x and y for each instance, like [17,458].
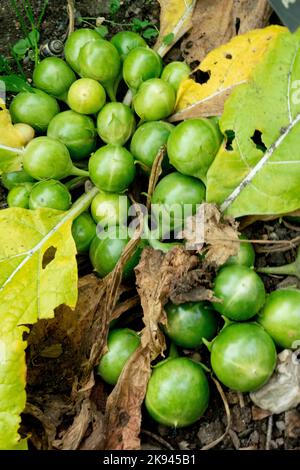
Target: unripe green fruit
[53,76]
[46,158]
[100,60]
[148,139]
[15,178]
[110,209]
[112,168]
[76,131]
[175,72]
[34,108]
[140,65]
[193,145]
[115,123]
[86,96]
[154,100]
[18,196]
[125,41]
[51,194]
[177,392]
[75,42]
[83,231]
[121,343]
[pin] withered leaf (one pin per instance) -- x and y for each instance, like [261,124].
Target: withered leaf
[282,392]
[215,22]
[220,236]
[159,277]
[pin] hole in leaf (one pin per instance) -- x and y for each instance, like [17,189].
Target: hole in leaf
[49,256]
[230,136]
[228,56]
[257,139]
[237,25]
[201,77]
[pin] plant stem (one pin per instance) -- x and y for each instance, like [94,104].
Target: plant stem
[75,182]
[17,151]
[82,203]
[78,172]
[286,269]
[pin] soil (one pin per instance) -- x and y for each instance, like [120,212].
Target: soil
[250,426]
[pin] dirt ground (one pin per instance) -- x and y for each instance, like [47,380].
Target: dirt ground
[250,429]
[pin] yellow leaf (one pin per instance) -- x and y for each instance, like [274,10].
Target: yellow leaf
[10,143]
[227,66]
[175,21]
[38,272]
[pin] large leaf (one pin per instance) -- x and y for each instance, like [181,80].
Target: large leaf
[10,143]
[38,272]
[175,21]
[244,178]
[221,71]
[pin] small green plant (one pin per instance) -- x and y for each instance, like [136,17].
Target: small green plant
[114,6]
[144,27]
[28,46]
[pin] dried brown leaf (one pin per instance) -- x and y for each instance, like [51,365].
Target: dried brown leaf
[220,236]
[159,277]
[215,22]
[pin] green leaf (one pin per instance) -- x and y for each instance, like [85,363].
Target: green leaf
[150,33]
[102,30]
[21,47]
[4,65]
[263,113]
[15,83]
[168,39]
[38,272]
[34,36]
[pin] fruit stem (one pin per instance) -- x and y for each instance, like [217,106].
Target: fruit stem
[173,351]
[75,182]
[291,269]
[78,172]
[109,88]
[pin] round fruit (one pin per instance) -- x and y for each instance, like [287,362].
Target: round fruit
[140,65]
[112,168]
[34,108]
[177,392]
[125,41]
[106,251]
[241,291]
[25,131]
[148,139]
[74,130]
[53,76]
[175,72]
[280,317]
[154,100]
[121,343]
[189,323]
[243,356]
[110,209]
[176,197]
[15,178]
[46,158]
[100,60]
[75,42]
[51,194]
[86,96]
[193,145]
[245,255]
[18,196]
[116,123]
[83,231]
